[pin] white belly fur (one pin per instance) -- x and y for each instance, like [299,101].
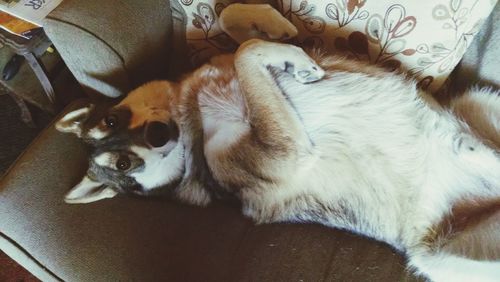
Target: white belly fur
[390,156]
[391,159]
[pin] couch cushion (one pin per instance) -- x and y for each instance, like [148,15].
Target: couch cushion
[125,239]
[115,45]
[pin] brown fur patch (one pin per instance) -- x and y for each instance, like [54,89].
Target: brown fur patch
[466,229]
[150,102]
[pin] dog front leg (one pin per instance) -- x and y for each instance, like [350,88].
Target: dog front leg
[247,21]
[267,144]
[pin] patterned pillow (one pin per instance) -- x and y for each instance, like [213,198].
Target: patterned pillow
[203,34]
[426,38]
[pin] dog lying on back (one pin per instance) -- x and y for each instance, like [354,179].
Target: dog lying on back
[313,139]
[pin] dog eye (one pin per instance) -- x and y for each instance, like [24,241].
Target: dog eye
[111,121]
[123,163]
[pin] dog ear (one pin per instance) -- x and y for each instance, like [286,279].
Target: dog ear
[73,121]
[88,191]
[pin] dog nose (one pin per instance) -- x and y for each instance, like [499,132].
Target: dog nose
[156,134]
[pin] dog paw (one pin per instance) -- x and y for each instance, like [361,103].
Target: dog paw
[304,71]
[273,25]
[246,21]
[285,57]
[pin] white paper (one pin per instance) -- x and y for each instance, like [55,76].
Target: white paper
[33,11]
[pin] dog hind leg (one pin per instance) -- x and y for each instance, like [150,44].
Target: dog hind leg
[480,109]
[443,267]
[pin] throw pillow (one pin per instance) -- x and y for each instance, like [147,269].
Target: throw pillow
[426,38]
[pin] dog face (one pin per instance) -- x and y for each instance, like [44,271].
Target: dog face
[136,144]
[131,169]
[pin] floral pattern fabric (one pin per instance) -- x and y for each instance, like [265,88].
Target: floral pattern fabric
[203,34]
[426,38]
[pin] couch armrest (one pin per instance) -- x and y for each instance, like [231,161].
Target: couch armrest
[480,63]
[52,163]
[112,46]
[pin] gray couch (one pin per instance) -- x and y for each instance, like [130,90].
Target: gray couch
[112,46]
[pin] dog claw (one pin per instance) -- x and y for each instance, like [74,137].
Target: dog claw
[306,76]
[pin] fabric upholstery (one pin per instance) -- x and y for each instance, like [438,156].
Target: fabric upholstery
[482,59]
[112,46]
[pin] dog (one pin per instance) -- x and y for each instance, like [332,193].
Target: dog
[323,139]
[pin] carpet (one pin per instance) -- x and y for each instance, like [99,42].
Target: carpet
[10,271]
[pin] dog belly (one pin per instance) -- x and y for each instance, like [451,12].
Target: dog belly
[366,146]
[386,153]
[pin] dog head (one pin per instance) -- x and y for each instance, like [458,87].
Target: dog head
[136,144]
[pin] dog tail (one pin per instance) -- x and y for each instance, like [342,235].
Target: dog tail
[480,109]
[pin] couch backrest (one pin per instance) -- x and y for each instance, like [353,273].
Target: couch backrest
[112,46]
